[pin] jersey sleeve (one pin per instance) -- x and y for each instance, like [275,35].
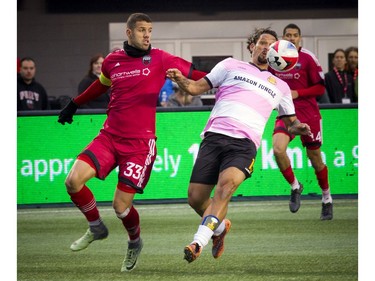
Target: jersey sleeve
[315,70]
[104,75]
[286,105]
[186,67]
[217,74]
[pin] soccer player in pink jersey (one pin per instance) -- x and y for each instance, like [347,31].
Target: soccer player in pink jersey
[306,81]
[246,96]
[127,139]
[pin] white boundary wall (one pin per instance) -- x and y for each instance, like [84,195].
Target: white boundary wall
[228,38]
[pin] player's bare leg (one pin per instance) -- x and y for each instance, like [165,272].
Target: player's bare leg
[321,172]
[83,198]
[215,213]
[199,200]
[125,211]
[280,145]
[199,197]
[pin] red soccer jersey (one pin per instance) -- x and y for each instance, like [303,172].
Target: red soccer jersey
[308,72]
[135,86]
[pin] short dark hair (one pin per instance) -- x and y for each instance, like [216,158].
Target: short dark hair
[254,37]
[133,18]
[27,59]
[293,26]
[338,51]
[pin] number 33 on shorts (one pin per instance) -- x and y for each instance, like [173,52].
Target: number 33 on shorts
[133,170]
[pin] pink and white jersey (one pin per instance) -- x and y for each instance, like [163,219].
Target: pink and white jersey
[245,99]
[135,84]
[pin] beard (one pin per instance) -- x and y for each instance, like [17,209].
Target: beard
[262,59]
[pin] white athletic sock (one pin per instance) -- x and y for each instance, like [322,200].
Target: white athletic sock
[219,229]
[203,235]
[295,184]
[96,222]
[326,196]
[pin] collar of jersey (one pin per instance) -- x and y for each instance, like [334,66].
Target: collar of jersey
[134,52]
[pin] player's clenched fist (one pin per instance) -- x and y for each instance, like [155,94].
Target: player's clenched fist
[174,74]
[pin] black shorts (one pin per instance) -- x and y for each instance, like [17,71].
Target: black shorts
[218,152]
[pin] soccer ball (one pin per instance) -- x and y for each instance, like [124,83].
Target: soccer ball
[282,55]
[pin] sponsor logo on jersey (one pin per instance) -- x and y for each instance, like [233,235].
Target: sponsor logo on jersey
[297,76]
[125,74]
[146,71]
[284,76]
[272,80]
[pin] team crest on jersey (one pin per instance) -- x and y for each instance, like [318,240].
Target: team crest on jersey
[297,66]
[272,80]
[146,60]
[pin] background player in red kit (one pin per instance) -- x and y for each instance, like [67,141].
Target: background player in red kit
[127,139]
[306,80]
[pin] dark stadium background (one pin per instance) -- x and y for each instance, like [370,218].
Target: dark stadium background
[202,7]
[62,35]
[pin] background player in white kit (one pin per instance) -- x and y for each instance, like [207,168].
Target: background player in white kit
[246,96]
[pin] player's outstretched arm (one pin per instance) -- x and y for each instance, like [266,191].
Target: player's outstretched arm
[189,86]
[92,92]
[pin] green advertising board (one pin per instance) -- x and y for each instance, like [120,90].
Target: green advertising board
[46,151]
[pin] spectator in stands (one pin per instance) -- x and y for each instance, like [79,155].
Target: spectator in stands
[31,95]
[181,98]
[338,82]
[351,55]
[165,92]
[93,73]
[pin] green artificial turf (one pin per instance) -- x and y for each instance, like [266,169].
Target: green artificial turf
[266,242]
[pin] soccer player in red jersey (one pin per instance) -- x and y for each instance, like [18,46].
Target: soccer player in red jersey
[306,80]
[135,74]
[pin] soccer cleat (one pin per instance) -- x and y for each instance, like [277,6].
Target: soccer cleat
[218,241]
[327,211]
[295,199]
[132,255]
[192,252]
[93,233]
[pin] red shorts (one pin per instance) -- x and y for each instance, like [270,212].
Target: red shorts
[134,157]
[312,141]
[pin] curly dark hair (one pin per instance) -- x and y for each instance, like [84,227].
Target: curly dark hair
[254,37]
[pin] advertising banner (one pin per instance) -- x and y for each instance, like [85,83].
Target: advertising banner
[46,151]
